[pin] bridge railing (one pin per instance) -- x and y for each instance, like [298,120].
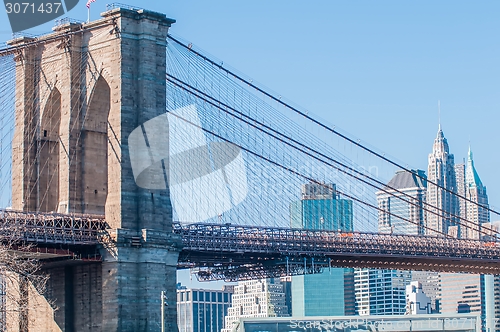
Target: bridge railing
[51,227]
[229,238]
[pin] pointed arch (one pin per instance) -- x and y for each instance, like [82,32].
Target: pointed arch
[49,146]
[95,149]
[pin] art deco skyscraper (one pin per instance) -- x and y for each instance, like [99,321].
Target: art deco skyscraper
[470,293]
[473,203]
[441,186]
[476,192]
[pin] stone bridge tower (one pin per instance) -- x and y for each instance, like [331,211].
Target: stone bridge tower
[80,92]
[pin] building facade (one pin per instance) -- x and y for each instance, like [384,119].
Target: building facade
[321,208]
[470,293]
[462,293]
[401,204]
[430,282]
[202,310]
[441,188]
[256,298]
[331,292]
[417,302]
[381,292]
[473,199]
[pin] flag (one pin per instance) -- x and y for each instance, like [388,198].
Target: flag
[89,2]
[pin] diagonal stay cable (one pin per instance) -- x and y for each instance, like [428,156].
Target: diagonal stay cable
[319,123]
[216,103]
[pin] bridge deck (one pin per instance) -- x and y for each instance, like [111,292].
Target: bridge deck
[225,248]
[229,251]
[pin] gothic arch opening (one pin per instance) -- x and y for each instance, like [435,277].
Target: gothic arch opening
[95,149]
[49,146]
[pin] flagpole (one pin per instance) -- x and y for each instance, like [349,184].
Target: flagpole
[88,14]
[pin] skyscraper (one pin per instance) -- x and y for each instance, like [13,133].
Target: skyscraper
[401,204]
[402,211]
[462,293]
[330,293]
[462,203]
[473,203]
[321,208]
[474,293]
[441,189]
[476,192]
[383,292]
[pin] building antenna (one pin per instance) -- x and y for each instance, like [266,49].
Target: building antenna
[439,114]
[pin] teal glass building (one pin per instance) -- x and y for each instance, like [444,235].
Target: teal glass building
[330,293]
[328,214]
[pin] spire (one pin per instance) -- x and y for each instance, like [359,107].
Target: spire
[471,177]
[440,135]
[440,143]
[439,115]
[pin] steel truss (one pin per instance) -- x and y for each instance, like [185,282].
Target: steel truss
[225,251]
[233,252]
[51,228]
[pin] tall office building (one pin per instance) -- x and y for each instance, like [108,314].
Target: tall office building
[474,293]
[491,285]
[256,298]
[202,310]
[321,208]
[492,303]
[402,211]
[462,293]
[383,292]
[441,219]
[473,203]
[330,293]
[462,203]
[401,204]
[475,207]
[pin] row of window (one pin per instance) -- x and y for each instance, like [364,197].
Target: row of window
[203,296]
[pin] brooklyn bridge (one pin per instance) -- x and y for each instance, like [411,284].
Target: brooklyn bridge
[127,153]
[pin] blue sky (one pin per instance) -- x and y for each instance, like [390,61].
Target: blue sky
[376,69]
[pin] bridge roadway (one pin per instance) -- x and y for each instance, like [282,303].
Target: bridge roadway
[230,252]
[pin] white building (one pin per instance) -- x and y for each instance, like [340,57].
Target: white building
[441,187]
[380,292]
[417,303]
[202,310]
[256,298]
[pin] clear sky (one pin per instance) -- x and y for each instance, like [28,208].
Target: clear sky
[373,68]
[376,69]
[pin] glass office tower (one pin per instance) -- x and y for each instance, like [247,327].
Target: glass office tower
[331,292]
